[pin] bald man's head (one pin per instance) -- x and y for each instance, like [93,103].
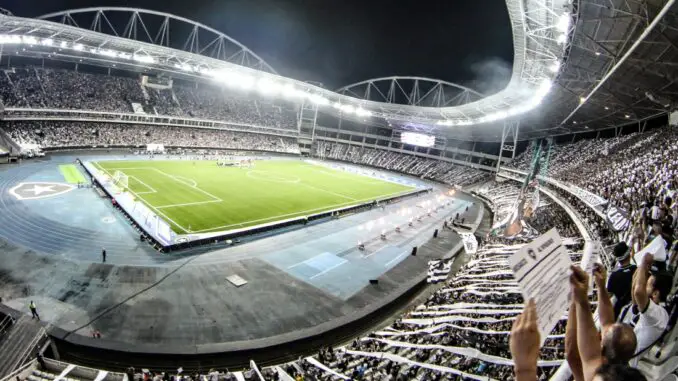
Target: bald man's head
[619,343]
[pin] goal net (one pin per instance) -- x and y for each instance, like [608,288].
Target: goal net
[121,180]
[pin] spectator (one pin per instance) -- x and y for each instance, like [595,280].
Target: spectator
[619,283]
[647,313]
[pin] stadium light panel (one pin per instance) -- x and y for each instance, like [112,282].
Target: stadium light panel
[78,47]
[336,105]
[244,82]
[555,66]
[108,53]
[267,86]
[290,91]
[10,39]
[143,58]
[561,39]
[30,40]
[64,44]
[564,22]
[47,42]
[318,99]
[347,109]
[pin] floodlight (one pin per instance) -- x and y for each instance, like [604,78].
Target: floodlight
[143,58]
[10,39]
[30,40]
[78,46]
[267,86]
[555,67]
[347,109]
[561,39]
[64,44]
[242,81]
[290,91]
[564,22]
[318,99]
[582,100]
[108,53]
[47,42]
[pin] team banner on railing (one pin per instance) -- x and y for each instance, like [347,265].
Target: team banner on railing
[587,196]
[617,218]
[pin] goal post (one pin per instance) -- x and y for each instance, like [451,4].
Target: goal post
[121,180]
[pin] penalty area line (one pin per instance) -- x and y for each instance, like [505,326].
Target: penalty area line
[188,204]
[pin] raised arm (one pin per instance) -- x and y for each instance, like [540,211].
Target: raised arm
[588,341]
[640,296]
[571,350]
[605,308]
[524,344]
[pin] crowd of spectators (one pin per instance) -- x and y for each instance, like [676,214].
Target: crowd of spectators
[55,134]
[548,215]
[637,172]
[35,87]
[424,168]
[460,332]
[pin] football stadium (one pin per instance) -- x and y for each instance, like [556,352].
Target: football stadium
[319,205]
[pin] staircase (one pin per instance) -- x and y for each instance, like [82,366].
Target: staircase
[20,344]
[8,144]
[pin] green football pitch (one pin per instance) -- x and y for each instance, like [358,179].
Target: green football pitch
[201,197]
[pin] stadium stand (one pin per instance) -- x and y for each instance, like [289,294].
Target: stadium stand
[635,171]
[34,87]
[462,330]
[424,168]
[53,134]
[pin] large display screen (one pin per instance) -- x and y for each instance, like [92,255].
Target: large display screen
[418,139]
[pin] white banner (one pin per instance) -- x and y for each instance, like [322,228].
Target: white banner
[542,270]
[470,242]
[138,108]
[658,249]
[154,147]
[587,196]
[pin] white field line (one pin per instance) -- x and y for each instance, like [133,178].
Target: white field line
[188,203]
[328,269]
[302,212]
[196,188]
[179,178]
[146,185]
[149,204]
[330,192]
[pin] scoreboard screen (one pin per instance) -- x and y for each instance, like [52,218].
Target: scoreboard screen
[416,139]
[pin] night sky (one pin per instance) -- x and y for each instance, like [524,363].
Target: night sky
[345,41]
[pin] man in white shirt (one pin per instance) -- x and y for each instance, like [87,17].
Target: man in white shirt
[646,313]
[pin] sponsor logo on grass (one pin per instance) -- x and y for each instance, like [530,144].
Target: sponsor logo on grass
[39,190]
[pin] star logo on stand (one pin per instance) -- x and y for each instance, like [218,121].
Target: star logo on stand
[39,190]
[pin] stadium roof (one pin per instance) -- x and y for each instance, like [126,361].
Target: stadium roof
[562,49]
[622,68]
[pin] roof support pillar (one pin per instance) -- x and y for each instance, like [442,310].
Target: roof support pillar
[509,140]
